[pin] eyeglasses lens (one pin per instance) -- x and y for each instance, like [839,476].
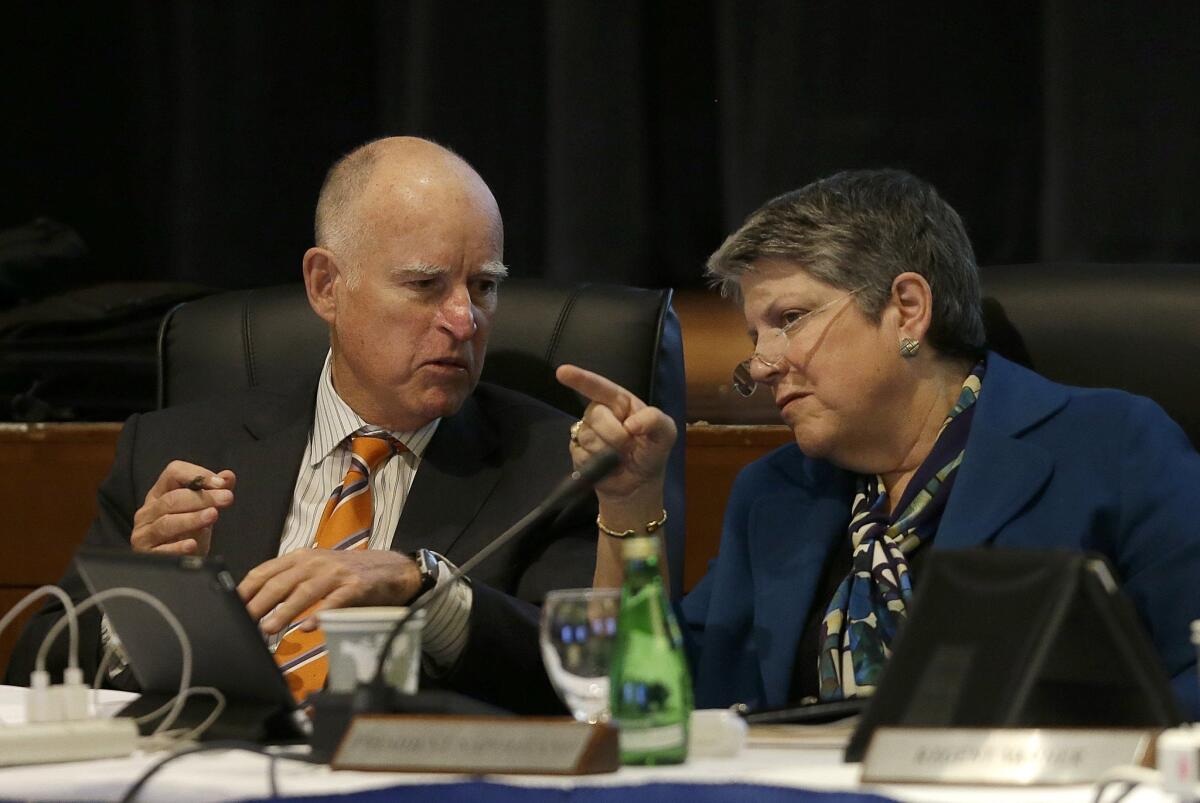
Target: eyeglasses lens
[743,383]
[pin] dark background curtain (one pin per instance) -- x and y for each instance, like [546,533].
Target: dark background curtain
[623,140]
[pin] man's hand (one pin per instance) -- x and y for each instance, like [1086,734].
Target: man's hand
[180,509]
[617,419]
[333,578]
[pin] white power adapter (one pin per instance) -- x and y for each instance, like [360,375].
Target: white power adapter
[42,704]
[67,701]
[49,742]
[58,726]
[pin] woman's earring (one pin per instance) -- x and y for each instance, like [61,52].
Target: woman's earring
[909,347]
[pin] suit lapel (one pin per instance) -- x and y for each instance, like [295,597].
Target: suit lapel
[1000,473]
[453,481]
[787,556]
[997,479]
[266,463]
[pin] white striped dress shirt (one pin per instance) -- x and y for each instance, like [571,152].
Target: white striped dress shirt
[325,463]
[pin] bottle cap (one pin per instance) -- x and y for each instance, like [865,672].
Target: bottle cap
[639,547]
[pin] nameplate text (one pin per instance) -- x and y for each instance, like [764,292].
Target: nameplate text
[1010,756]
[427,743]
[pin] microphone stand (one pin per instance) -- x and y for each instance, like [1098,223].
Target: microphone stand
[376,696]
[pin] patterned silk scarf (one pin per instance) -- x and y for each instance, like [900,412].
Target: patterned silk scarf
[869,606]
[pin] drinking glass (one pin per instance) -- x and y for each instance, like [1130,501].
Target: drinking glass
[354,637]
[576,634]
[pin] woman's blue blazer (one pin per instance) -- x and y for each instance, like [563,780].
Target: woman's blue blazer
[1046,466]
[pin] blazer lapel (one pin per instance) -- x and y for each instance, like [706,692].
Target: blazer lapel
[997,482]
[453,481]
[266,464]
[787,556]
[1000,473]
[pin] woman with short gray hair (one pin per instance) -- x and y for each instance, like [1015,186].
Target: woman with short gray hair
[861,296]
[862,229]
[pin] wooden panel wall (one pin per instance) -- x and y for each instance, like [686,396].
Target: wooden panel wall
[715,454]
[48,479]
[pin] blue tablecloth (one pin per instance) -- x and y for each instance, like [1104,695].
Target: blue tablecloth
[481,792]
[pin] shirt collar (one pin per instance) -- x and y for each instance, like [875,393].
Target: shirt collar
[334,421]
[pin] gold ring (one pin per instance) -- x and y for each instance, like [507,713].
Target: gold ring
[575,431]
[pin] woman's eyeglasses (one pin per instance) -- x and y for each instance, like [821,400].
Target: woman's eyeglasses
[772,345]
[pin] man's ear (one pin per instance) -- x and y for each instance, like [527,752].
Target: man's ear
[912,302]
[321,273]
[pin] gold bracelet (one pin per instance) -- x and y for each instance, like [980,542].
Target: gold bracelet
[651,527]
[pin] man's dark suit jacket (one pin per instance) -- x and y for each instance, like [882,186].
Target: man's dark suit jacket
[485,467]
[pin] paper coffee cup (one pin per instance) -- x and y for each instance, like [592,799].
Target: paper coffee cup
[354,637]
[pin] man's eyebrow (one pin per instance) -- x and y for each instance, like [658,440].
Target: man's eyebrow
[495,269]
[420,268]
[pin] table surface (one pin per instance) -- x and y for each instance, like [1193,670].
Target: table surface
[236,775]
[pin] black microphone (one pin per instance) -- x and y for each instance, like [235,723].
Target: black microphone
[376,695]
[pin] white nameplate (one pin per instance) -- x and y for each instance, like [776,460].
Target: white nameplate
[427,743]
[1009,756]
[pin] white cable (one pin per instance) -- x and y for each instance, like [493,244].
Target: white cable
[101,671]
[185,646]
[172,739]
[208,721]
[72,619]
[1130,774]
[102,668]
[158,712]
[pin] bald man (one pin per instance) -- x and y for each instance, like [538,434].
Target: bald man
[406,272]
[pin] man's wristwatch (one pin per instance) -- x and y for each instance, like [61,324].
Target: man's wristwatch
[428,565]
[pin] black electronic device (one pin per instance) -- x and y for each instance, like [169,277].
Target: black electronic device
[228,651]
[807,713]
[1012,638]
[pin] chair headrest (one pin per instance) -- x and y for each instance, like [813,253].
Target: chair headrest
[1133,327]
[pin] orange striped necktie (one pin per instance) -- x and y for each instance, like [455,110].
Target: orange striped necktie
[345,524]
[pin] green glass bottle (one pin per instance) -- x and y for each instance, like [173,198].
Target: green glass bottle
[651,687]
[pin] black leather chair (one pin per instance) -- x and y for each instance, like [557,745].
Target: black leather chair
[1134,327]
[247,338]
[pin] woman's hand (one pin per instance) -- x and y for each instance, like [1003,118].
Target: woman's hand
[616,419]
